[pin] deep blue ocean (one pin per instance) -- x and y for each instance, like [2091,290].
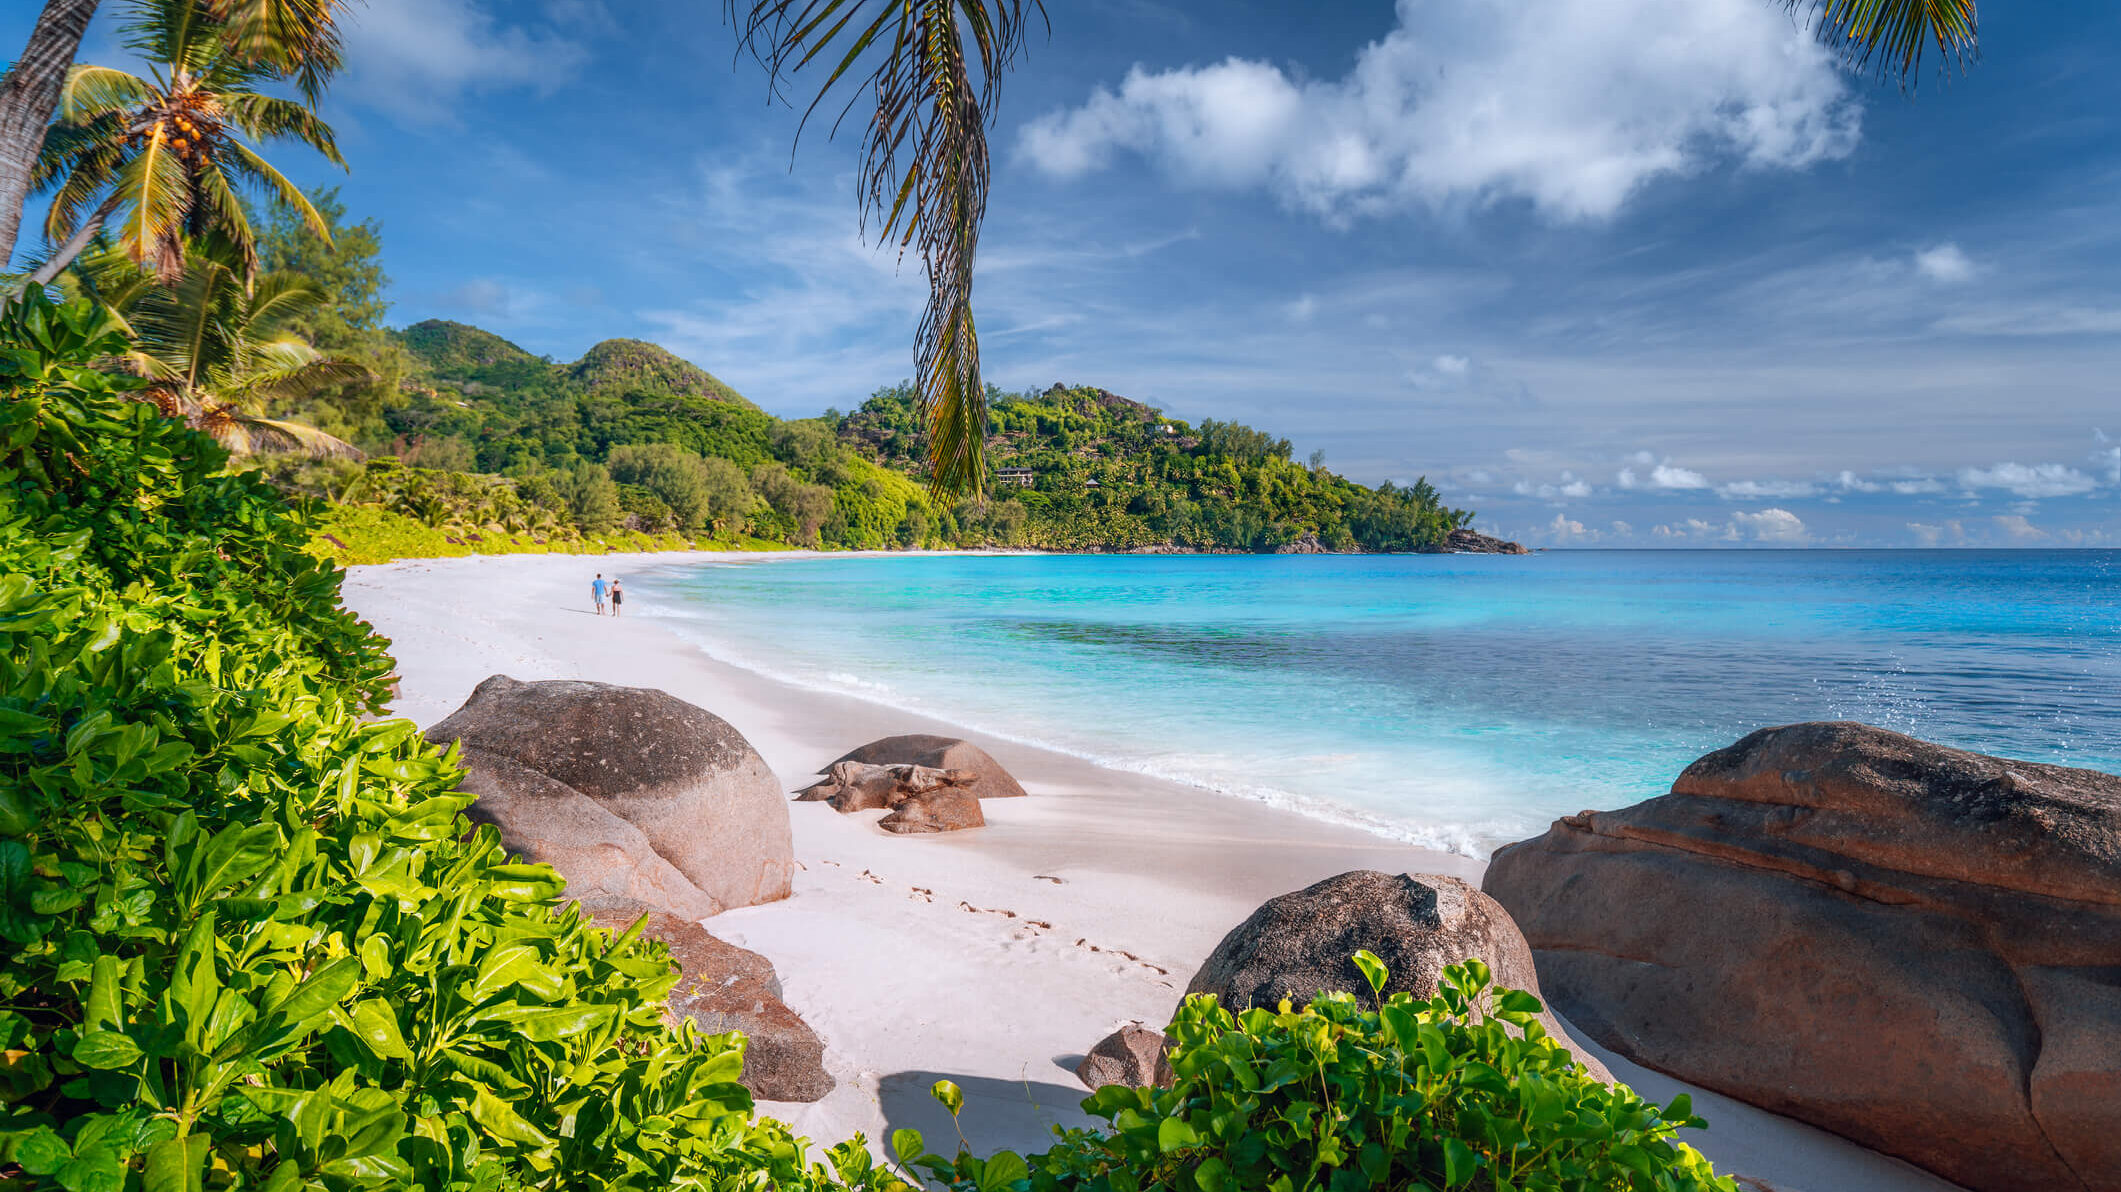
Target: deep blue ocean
[1460,701]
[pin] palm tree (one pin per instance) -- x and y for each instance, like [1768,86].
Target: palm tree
[924,173]
[297,39]
[165,149]
[216,348]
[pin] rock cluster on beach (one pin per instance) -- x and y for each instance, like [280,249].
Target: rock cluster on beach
[631,793]
[1916,947]
[927,783]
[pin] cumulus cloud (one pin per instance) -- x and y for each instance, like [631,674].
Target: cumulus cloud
[2032,482]
[1454,366]
[412,57]
[1563,529]
[1569,106]
[1662,475]
[1778,526]
[1926,534]
[1570,486]
[2109,459]
[2019,528]
[1944,263]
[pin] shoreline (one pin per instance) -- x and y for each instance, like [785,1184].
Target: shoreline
[994,957]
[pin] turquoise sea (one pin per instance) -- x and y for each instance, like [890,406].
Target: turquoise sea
[1459,701]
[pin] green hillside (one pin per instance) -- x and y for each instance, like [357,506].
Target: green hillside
[637,366]
[487,447]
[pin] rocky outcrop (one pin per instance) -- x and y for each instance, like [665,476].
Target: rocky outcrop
[726,988]
[1301,944]
[1133,1056]
[920,798]
[1305,543]
[1915,947]
[1473,542]
[632,794]
[990,780]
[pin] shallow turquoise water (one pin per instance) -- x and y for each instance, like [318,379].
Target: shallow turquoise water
[1454,700]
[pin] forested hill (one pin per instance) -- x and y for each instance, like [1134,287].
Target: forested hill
[481,436]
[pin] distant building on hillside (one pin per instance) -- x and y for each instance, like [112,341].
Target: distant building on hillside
[1020,477]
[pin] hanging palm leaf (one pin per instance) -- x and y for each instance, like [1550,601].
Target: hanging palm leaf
[931,68]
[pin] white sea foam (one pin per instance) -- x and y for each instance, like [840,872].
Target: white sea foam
[1209,772]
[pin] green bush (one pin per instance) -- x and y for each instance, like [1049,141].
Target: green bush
[247,938]
[1461,1091]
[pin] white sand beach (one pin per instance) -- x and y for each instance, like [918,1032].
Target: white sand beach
[993,957]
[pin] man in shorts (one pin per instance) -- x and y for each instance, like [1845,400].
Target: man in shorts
[597,587]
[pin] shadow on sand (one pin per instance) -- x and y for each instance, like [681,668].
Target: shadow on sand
[1017,1115]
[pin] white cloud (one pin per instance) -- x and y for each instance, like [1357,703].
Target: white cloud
[1778,526]
[1935,535]
[1918,487]
[412,57]
[1301,310]
[1767,490]
[2110,460]
[1567,105]
[1622,528]
[1944,263]
[2020,529]
[2033,482]
[1571,486]
[1455,366]
[1562,529]
[1667,476]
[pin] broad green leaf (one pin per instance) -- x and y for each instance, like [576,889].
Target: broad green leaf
[105,1050]
[376,1025]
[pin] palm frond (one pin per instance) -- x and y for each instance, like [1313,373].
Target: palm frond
[246,161]
[248,434]
[93,91]
[925,174]
[278,298]
[264,385]
[157,201]
[1892,35]
[268,117]
[297,39]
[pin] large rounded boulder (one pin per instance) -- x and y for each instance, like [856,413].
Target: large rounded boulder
[989,780]
[1916,947]
[1303,944]
[632,794]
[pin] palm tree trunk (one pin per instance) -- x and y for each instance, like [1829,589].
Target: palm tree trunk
[76,242]
[28,97]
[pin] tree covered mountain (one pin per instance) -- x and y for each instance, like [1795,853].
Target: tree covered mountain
[487,437]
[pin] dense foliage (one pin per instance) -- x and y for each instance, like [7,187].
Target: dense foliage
[247,938]
[1459,1091]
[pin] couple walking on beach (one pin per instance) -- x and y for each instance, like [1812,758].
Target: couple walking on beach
[598,590]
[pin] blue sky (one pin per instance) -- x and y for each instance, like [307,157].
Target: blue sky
[1611,272]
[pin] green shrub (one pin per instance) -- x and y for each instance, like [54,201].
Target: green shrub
[247,938]
[1461,1091]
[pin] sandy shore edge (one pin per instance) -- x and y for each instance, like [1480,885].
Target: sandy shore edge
[994,957]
